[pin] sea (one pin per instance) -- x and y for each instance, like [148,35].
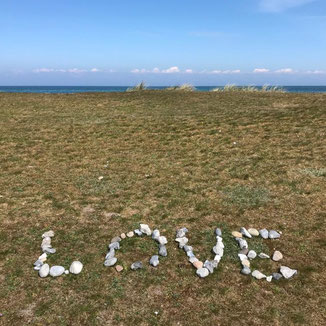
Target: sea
[104,89]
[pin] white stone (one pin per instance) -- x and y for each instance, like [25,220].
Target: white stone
[144,228]
[263,233]
[43,257]
[66,272]
[218,249]
[253,232]
[162,240]
[277,256]
[76,267]
[252,254]
[263,256]
[130,234]
[48,234]
[217,258]
[56,271]
[258,275]
[193,259]
[155,234]
[242,257]
[287,272]
[245,232]
[44,271]
[202,272]
[269,278]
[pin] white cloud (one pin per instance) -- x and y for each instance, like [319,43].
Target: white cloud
[316,72]
[285,71]
[260,70]
[156,71]
[225,72]
[95,70]
[171,70]
[281,5]
[188,71]
[76,70]
[38,70]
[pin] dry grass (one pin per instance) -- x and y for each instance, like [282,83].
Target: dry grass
[199,160]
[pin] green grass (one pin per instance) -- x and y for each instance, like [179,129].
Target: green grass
[169,159]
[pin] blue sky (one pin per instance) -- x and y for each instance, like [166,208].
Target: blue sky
[212,42]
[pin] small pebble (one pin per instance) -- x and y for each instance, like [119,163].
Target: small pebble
[116,239]
[277,256]
[162,251]
[245,270]
[56,270]
[138,232]
[110,262]
[181,232]
[277,276]
[131,234]
[187,248]
[217,258]
[190,254]
[242,257]
[198,264]
[202,272]
[242,243]
[273,234]
[162,240]
[154,261]
[76,267]
[218,232]
[287,272]
[48,234]
[44,271]
[218,249]
[155,234]
[144,228]
[253,232]
[114,245]
[43,257]
[66,272]
[245,262]
[136,265]
[258,275]
[245,232]
[123,236]
[209,265]
[193,259]
[263,233]
[110,254]
[269,278]
[263,256]
[252,254]
[119,268]
[237,234]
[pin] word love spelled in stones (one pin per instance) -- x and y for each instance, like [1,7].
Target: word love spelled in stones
[203,269]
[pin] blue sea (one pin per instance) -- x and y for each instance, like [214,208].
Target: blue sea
[84,89]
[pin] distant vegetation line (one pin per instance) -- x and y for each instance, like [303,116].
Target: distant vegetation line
[227,88]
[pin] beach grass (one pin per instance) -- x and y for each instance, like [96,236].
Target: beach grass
[169,159]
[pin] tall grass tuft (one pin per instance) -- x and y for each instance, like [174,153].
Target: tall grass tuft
[139,87]
[234,88]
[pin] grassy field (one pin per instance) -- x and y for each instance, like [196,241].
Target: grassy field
[168,159]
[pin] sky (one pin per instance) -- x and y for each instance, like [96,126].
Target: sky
[170,42]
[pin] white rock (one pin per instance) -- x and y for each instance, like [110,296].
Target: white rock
[56,271]
[48,234]
[242,257]
[130,234]
[277,256]
[252,254]
[258,275]
[253,232]
[76,267]
[144,228]
[162,240]
[242,243]
[287,272]
[155,234]
[269,278]
[193,259]
[217,258]
[182,241]
[263,233]
[202,272]
[66,272]
[218,249]
[46,241]
[43,257]
[245,232]
[44,271]
[123,236]
[263,256]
